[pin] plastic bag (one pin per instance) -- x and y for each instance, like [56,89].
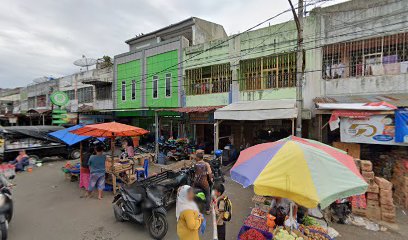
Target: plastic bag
[203,225]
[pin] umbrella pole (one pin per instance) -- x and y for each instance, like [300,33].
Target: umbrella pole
[113,151]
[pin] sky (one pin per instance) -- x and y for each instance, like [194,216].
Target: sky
[44,37]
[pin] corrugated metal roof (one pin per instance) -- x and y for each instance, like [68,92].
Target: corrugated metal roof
[398,99]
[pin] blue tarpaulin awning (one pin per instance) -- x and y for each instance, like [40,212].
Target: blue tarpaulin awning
[69,138]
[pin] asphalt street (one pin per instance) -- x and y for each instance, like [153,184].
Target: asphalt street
[48,206]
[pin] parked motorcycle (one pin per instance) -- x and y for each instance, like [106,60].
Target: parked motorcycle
[340,210]
[6,206]
[145,202]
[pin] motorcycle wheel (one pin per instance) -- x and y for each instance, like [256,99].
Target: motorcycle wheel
[118,211]
[158,226]
[3,230]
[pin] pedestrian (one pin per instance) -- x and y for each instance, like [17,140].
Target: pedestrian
[203,178]
[84,174]
[21,161]
[97,170]
[222,207]
[188,216]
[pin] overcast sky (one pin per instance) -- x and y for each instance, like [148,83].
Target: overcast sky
[43,37]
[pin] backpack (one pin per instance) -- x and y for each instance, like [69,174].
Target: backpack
[227,214]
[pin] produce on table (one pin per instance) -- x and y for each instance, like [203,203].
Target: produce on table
[256,222]
[309,221]
[258,212]
[283,234]
[252,234]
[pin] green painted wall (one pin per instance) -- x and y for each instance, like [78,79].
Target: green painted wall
[162,64]
[268,94]
[127,72]
[215,99]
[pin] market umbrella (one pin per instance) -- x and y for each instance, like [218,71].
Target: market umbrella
[306,171]
[111,130]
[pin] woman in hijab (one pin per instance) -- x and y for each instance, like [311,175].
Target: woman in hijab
[189,218]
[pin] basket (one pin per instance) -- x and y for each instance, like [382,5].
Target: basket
[267,235]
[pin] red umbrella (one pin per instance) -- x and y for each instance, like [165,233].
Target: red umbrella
[110,129]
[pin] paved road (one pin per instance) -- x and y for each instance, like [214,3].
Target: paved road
[47,206]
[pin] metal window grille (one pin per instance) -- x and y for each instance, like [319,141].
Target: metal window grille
[133,89]
[155,86]
[385,55]
[277,71]
[209,79]
[123,90]
[85,95]
[168,84]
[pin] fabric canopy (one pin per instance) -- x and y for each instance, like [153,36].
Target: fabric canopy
[372,106]
[69,138]
[258,110]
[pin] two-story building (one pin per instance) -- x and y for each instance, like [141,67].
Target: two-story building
[254,73]
[364,60]
[10,102]
[150,75]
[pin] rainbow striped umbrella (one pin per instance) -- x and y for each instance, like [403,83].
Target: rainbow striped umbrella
[306,171]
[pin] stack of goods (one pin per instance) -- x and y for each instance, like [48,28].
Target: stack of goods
[400,182]
[314,232]
[282,234]
[386,200]
[247,233]
[365,205]
[261,202]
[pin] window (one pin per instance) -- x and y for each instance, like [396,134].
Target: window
[155,86]
[384,55]
[277,71]
[168,84]
[31,102]
[85,95]
[207,80]
[41,101]
[103,92]
[133,89]
[123,91]
[71,94]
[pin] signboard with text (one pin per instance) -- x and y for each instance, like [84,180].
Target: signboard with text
[375,129]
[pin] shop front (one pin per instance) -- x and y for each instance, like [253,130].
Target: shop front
[252,122]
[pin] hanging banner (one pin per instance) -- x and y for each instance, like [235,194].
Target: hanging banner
[375,129]
[401,125]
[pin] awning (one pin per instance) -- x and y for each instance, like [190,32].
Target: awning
[397,99]
[192,109]
[258,110]
[372,106]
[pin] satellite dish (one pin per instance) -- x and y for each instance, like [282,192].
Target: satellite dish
[85,62]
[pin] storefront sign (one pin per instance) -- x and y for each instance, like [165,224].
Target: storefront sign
[401,125]
[201,118]
[375,129]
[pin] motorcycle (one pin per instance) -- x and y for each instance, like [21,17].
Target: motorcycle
[6,206]
[147,200]
[341,209]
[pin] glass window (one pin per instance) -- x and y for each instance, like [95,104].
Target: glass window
[155,86]
[133,89]
[123,91]
[85,95]
[168,84]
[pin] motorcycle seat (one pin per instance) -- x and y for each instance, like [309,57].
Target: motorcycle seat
[158,191]
[134,192]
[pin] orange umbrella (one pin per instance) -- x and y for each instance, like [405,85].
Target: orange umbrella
[110,129]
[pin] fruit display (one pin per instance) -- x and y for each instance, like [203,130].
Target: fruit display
[258,212]
[314,232]
[252,234]
[256,222]
[282,234]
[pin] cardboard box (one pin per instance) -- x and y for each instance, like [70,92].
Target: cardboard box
[360,212]
[373,213]
[387,217]
[383,183]
[373,203]
[373,196]
[373,188]
[388,209]
[386,201]
[366,166]
[386,193]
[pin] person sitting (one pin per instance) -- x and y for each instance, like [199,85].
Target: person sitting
[21,161]
[188,216]
[280,208]
[127,145]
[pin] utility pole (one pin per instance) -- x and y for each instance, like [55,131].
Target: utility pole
[299,64]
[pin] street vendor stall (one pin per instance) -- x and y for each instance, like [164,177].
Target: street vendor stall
[116,168]
[307,172]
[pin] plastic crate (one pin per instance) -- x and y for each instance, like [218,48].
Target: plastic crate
[267,235]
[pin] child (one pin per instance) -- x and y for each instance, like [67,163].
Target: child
[222,204]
